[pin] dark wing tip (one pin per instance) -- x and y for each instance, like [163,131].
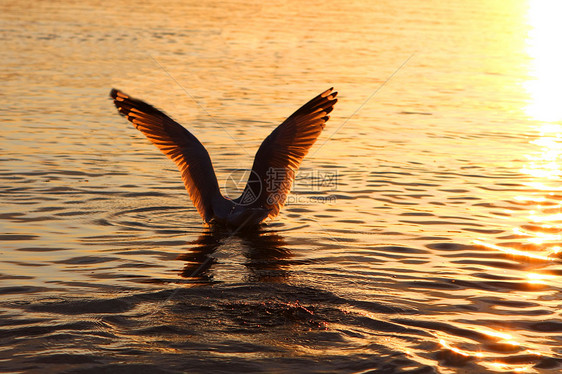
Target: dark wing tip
[327,92]
[130,107]
[117,95]
[329,106]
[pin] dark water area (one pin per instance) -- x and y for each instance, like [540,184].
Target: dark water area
[422,234]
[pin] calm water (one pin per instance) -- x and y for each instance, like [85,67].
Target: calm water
[423,234]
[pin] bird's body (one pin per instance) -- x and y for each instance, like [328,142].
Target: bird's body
[278,157]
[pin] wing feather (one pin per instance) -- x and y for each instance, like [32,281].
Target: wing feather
[190,156]
[281,153]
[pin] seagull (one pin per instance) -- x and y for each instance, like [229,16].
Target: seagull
[275,164]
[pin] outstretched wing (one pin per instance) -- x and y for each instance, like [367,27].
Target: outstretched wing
[177,143]
[281,153]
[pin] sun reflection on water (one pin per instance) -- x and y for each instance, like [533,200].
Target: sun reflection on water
[459,351]
[495,334]
[536,237]
[491,360]
[513,251]
[544,49]
[544,91]
[507,367]
[536,278]
[545,219]
[539,238]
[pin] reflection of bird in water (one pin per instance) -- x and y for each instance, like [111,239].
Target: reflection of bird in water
[265,252]
[278,157]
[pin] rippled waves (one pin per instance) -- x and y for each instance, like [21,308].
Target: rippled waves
[423,233]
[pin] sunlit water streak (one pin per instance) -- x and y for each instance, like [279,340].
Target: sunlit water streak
[437,249]
[544,88]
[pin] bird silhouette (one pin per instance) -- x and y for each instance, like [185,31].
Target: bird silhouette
[275,164]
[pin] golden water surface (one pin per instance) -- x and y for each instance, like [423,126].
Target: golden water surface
[425,226]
